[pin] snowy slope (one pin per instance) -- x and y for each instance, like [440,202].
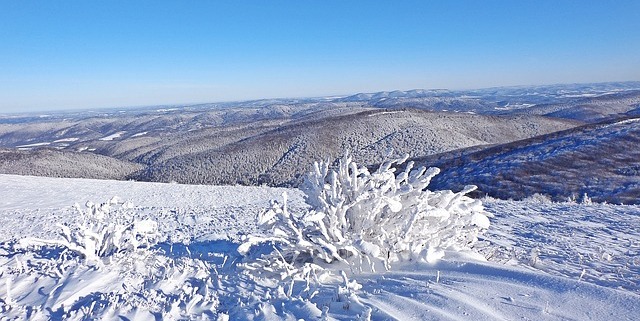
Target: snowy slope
[601,160]
[546,262]
[60,163]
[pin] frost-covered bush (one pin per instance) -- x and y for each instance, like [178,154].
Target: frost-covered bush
[538,198]
[586,200]
[107,269]
[103,230]
[575,199]
[358,216]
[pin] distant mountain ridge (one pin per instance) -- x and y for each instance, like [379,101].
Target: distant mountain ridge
[279,156]
[274,141]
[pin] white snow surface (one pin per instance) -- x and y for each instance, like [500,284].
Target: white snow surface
[546,261]
[34,145]
[139,134]
[65,140]
[112,136]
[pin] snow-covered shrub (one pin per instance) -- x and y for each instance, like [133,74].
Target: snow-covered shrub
[576,199]
[538,198]
[358,216]
[103,230]
[586,200]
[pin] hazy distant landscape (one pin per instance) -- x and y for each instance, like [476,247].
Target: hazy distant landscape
[490,137]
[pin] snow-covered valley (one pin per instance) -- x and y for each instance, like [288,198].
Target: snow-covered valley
[546,261]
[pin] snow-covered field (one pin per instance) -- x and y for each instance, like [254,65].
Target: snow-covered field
[546,261]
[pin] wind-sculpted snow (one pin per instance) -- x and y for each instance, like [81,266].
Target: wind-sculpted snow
[597,243]
[537,254]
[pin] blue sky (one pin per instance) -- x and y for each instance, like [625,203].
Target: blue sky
[90,54]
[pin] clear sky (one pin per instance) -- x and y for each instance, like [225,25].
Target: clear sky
[89,54]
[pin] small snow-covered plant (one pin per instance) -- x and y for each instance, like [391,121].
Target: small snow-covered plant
[103,230]
[538,198]
[572,199]
[586,200]
[358,216]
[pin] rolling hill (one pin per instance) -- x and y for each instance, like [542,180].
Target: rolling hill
[280,155]
[600,160]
